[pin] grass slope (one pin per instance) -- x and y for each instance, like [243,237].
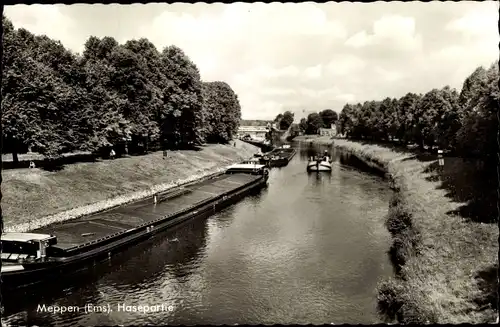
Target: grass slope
[448,264]
[33,197]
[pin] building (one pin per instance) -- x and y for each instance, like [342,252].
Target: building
[332,131]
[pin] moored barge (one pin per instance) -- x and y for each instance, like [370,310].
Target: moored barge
[29,259]
[280,157]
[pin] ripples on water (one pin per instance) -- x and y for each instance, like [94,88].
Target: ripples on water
[310,248]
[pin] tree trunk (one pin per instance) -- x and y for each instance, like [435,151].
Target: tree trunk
[421,144]
[15,157]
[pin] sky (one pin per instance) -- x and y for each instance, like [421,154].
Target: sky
[303,57]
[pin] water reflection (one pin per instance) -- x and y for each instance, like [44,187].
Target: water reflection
[318,178]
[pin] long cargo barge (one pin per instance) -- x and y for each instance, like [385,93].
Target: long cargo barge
[281,156]
[29,259]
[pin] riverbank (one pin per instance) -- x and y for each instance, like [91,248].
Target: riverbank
[32,198]
[447,264]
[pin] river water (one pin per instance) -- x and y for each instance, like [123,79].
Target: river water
[309,248]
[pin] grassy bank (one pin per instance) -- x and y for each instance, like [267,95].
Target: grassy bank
[448,265]
[33,197]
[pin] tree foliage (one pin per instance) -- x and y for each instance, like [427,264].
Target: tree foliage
[314,123]
[464,122]
[286,121]
[55,101]
[329,117]
[221,112]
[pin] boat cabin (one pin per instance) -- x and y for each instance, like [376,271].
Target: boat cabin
[251,161]
[25,246]
[247,168]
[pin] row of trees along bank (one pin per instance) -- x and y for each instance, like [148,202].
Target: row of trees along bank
[313,122]
[464,123]
[110,96]
[309,125]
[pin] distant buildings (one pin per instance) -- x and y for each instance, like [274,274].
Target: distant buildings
[332,131]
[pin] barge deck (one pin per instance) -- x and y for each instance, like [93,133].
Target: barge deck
[78,232]
[280,157]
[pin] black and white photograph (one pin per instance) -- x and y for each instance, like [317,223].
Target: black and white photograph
[250,163]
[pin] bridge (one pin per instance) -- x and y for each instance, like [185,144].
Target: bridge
[255,132]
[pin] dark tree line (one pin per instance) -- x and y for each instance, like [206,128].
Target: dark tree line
[464,123]
[315,121]
[126,96]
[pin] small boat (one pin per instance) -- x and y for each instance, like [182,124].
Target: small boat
[319,164]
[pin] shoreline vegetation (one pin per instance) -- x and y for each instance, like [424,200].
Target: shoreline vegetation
[446,266]
[33,198]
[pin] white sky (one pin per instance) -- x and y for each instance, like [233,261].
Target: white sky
[299,57]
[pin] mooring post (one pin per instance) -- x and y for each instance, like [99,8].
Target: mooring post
[440,157]
[155,199]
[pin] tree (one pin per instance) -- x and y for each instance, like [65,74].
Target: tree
[294,131]
[55,101]
[347,120]
[303,125]
[102,119]
[34,98]
[97,49]
[129,79]
[478,132]
[329,117]
[286,120]
[405,116]
[181,114]
[314,123]
[221,111]
[469,95]
[448,121]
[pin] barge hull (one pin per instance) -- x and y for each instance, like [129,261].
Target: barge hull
[287,155]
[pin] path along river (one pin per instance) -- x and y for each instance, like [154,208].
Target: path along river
[310,248]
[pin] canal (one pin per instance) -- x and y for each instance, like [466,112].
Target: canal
[310,248]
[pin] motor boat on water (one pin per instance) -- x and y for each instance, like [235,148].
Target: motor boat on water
[320,163]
